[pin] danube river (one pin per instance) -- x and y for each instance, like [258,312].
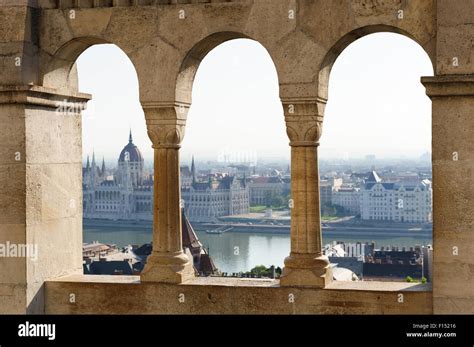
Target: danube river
[237,251]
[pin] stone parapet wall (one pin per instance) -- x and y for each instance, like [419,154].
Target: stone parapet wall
[126,295]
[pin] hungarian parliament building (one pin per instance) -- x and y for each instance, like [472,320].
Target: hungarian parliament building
[128,193]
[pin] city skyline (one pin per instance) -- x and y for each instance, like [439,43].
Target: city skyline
[252,79]
[367,159]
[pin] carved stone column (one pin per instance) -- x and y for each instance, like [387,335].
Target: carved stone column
[306,266]
[167,262]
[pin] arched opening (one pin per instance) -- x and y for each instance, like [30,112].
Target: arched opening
[117,164]
[192,61]
[235,157]
[61,71]
[348,39]
[375,158]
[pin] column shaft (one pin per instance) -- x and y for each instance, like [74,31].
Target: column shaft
[305,190]
[166,194]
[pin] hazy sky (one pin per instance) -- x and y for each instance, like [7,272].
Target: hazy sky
[376,105]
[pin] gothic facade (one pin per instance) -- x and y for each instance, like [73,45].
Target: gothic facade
[126,195]
[214,196]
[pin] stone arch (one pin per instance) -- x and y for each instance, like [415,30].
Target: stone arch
[334,52]
[60,71]
[196,54]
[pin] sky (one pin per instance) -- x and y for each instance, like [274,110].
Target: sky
[376,104]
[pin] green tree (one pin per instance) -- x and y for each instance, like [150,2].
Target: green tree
[273,199]
[278,200]
[259,270]
[328,210]
[268,198]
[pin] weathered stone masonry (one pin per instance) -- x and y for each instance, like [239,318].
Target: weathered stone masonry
[40,156]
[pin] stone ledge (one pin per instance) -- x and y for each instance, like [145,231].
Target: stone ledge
[97,279]
[380,286]
[254,282]
[42,96]
[449,85]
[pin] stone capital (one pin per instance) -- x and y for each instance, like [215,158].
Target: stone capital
[304,120]
[166,123]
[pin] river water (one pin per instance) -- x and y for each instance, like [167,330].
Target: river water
[234,251]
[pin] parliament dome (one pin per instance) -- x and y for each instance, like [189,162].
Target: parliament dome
[134,154]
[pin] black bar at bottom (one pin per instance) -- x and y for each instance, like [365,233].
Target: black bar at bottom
[452,330]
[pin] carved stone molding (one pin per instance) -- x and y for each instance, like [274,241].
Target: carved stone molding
[43,97]
[166,124]
[304,121]
[449,85]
